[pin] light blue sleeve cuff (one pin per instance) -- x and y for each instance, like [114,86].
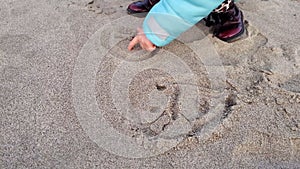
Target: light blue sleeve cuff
[169,18]
[157,27]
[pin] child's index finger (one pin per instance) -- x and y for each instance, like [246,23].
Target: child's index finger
[132,43]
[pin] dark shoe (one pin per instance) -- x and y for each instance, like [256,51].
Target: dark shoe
[141,6]
[228,25]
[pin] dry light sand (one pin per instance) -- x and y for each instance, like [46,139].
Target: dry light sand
[72,96]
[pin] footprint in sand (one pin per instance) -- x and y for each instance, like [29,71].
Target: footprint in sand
[239,52]
[101,6]
[254,7]
[292,84]
[283,65]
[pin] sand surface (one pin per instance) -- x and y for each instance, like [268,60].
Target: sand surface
[72,96]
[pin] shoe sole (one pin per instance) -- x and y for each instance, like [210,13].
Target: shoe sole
[137,14]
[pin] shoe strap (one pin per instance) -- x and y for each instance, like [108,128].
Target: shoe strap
[224,6]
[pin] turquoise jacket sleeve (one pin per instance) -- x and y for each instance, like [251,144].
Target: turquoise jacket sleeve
[169,18]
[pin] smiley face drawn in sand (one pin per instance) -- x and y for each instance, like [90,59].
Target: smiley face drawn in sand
[139,104]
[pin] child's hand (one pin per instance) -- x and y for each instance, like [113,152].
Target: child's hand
[141,39]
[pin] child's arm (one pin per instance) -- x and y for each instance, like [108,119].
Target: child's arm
[169,18]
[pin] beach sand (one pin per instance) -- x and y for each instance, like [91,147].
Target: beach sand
[72,96]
